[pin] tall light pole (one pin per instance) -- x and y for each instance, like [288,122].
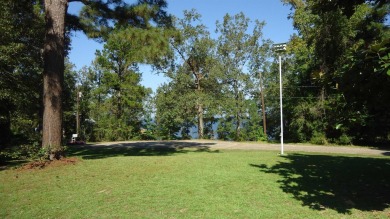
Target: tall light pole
[279,48]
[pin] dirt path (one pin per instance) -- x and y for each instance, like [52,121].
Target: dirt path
[219,145]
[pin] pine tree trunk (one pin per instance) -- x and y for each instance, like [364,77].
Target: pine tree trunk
[53,76]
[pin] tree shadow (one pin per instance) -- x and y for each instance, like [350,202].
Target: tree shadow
[334,182]
[152,148]
[11,164]
[386,153]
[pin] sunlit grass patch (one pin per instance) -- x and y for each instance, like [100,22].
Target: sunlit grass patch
[193,184]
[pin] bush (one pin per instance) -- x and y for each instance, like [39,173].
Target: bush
[318,138]
[256,134]
[344,139]
[8,154]
[32,151]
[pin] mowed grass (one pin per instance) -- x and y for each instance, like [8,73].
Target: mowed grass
[190,183]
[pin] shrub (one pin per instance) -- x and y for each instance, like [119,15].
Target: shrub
[318,138]
[344,139]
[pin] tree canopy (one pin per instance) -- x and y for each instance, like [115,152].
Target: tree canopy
[340,51]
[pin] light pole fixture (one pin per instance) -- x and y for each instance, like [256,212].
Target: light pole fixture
[279,48]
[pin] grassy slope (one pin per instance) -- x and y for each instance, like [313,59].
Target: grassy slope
[183,184]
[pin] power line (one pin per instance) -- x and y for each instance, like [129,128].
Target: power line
[291,87]
[300,97]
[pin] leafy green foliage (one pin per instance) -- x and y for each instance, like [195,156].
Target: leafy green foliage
[237,50]
[190,68]
[120,96]
[339,65]
[98,18]
[172,113]
[21,27]
[213,80]
[112,106]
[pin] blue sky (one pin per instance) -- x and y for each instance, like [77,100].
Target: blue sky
[278,27]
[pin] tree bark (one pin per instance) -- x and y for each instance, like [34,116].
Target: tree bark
[200,122]
[53,76]
[263,106]
[200,112]
[238,108]
[5,124]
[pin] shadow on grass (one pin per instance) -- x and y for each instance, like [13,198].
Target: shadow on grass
[11,164]
[161,148]
[335,182]
[386,153]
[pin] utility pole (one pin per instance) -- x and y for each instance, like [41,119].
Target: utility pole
[279,48]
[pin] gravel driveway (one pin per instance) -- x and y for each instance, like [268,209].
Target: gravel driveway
[219,145]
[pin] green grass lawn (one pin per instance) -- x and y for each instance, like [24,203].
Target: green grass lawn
[178,183]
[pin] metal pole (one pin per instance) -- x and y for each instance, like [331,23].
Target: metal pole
[281,106]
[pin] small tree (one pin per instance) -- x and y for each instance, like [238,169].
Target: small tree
[234,50]
[193,55]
